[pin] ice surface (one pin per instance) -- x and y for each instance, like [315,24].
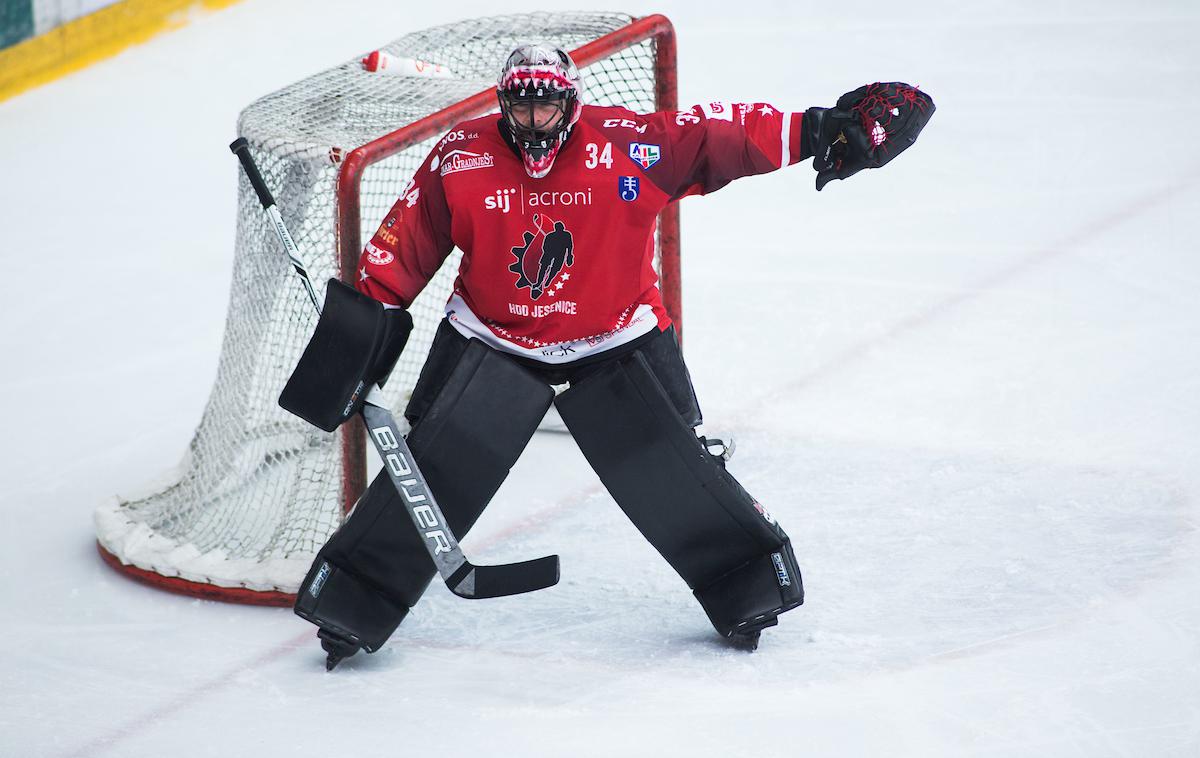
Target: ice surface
[966,385]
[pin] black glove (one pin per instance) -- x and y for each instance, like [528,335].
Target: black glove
[866,129]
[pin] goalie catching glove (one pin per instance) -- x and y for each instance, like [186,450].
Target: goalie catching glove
[867,128]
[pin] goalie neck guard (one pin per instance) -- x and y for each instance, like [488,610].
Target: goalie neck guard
[540,93]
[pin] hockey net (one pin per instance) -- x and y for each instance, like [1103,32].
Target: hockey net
[259,491]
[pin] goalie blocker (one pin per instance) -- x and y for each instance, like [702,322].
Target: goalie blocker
[475,409]
[355,345]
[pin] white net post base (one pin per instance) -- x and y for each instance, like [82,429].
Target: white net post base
[260,490]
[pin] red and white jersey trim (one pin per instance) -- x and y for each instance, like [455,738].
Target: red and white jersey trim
[785,139]
[629,327]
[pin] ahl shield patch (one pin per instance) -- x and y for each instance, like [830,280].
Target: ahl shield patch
[643,154]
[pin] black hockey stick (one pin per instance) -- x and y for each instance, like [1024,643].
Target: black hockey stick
[462,577]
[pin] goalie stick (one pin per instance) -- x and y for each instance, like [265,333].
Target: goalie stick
[462,577]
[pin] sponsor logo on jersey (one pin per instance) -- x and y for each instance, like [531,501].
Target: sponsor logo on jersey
[629,187]
[500,200]
[455,136]
[544,253]
[645,155]
[764,513]
[623,322]
[464,160]
[379,257]
[781,572]
[387,237]
[561,351]
[384,233]
[504,200]
[552,199]
[717,111]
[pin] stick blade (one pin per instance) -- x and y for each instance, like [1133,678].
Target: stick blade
[480,582]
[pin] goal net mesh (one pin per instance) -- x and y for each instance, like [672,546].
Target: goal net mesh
[259,490]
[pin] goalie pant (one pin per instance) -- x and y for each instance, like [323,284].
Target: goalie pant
[632,411]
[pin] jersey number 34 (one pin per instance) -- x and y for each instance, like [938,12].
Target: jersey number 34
[596,156]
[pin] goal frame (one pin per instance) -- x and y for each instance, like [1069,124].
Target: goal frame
[348,240]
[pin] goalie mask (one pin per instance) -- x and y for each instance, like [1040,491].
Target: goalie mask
[540,93]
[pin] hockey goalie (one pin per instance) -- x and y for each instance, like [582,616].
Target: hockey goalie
[553,203]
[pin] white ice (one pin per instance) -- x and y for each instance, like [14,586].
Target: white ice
[968,385]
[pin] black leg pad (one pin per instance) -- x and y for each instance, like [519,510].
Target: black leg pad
[344,604]
[678,496]
[476,428]
[466,443]
[751,596]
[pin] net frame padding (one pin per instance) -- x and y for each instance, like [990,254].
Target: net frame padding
[259,490]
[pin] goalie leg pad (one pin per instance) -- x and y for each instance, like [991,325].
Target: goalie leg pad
[707,527]
[356,343]
[751,596]
[344,604]
[666,363]
[465,444]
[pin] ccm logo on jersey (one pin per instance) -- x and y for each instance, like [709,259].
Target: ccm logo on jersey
[611,123]
[643,154]
[412,488]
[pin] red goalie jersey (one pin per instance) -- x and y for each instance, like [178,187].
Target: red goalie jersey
[556,268]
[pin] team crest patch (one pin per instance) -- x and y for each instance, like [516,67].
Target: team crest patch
[541,256]
[643,154]
[629,187]
[379,257]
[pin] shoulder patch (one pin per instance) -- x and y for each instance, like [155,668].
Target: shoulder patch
[644,154]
